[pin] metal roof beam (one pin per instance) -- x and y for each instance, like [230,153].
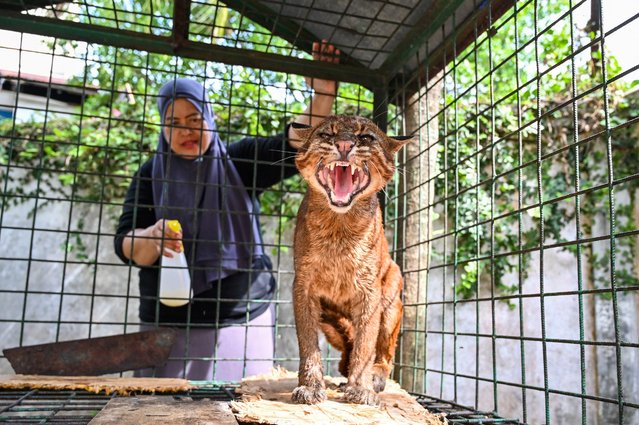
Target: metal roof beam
[181,21]
[14,21]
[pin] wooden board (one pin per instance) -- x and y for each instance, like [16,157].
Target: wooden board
[266,399]
[95,384]
[152,410]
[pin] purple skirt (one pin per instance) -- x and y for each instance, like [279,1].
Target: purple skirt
[225,354]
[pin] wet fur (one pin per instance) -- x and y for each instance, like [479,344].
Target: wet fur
[346,283]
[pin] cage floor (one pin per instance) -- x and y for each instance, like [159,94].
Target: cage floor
[79,407]
[457,414]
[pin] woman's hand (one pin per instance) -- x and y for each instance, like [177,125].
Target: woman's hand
[144,246]
[326,53]
[323,99]
[164,237]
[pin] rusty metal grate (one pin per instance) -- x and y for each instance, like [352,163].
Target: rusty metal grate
[458,414]
[79,407]
[75,407]
[40,406]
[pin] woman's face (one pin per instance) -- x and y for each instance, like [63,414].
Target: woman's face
[185,129]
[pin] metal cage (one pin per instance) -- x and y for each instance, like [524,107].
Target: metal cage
[514,218]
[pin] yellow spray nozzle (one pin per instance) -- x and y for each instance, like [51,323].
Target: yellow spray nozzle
[174,225]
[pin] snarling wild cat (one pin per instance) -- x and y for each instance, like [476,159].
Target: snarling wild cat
[346,283]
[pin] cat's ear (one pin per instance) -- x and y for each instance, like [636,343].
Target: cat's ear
[396,142]
[301,130]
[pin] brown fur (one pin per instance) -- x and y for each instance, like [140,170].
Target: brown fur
[346,283]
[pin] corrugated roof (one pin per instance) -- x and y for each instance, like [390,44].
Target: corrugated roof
[380,39]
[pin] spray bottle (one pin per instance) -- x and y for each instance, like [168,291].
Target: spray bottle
[175,281]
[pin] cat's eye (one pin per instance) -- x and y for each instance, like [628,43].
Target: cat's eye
[366,138]
[324,135]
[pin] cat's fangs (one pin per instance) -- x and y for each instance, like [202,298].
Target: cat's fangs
[346,189]
[354,167]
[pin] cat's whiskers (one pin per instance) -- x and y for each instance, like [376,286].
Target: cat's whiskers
[279,150]
[385,194]
[380,173]
[404,171]
[283,159]
[383,110]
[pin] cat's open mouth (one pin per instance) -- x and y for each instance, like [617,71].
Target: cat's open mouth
[342,180]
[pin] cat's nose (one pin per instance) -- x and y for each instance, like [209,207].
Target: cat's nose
[344,146]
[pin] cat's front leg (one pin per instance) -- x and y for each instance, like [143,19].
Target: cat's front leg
[359,388]
[310,389]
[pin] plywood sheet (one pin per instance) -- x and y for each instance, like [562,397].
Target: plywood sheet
[152,410]
[266,399]
[95,384]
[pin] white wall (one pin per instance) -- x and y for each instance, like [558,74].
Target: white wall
[32,106]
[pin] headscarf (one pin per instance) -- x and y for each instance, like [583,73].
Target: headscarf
[206,194]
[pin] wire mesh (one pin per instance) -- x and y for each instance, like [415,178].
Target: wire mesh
[368,32]
[75,134]
[38,406]
[514,217]
[511,230]
[79,407]
[145,17]
[456,414]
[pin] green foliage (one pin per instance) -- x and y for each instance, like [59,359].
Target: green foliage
[89,156]
[492,147]
[489,155]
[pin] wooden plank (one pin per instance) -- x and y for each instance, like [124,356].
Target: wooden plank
[148,410]
[266,399]
[95,384]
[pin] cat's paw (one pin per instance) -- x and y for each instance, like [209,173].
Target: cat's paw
[361,395]
[379,383]
[308,395]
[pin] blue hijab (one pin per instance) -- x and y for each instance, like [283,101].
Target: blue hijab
[206,194]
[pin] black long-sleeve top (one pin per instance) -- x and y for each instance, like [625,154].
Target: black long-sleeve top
[261,163]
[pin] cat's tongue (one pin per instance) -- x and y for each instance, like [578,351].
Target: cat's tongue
[343,183]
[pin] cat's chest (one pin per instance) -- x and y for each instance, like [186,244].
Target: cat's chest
[338,253]
[349,250]
[339,240]
[342,264]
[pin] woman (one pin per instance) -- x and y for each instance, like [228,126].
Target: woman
[195,179]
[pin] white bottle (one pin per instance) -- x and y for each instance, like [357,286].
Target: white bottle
[175,281]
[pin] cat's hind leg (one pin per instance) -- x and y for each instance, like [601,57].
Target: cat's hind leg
[388,327]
